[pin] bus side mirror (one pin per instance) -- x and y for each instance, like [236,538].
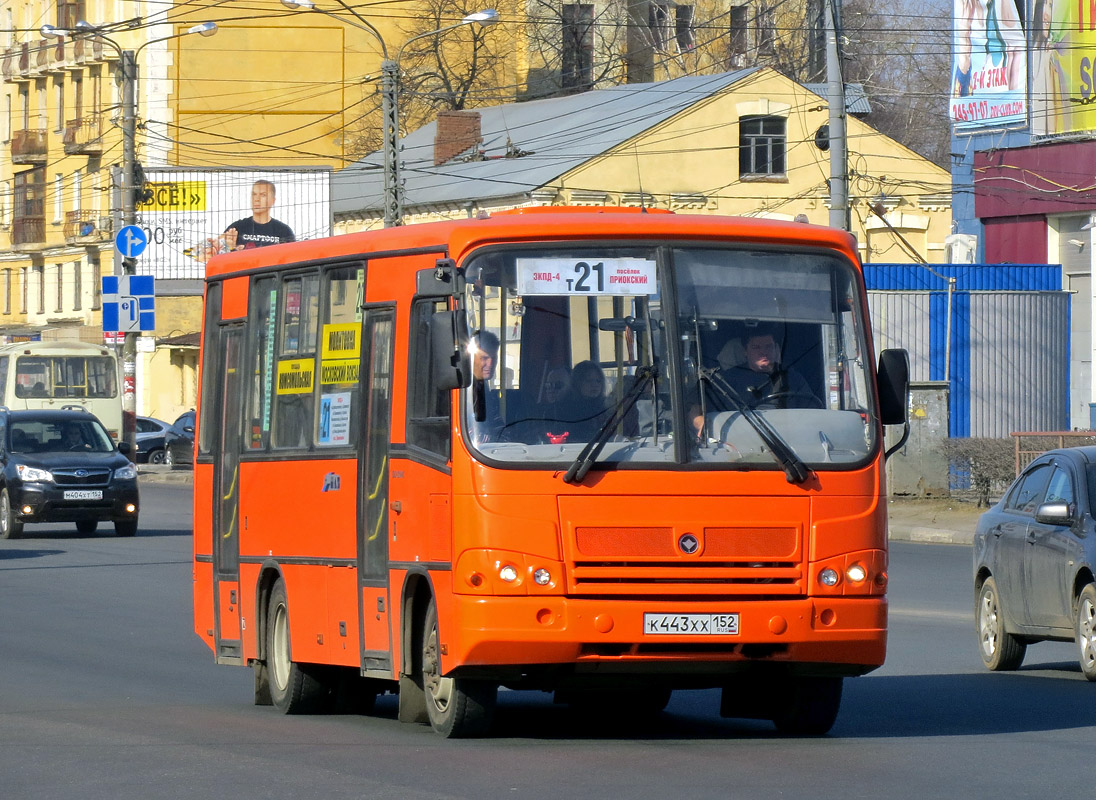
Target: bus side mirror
[443,280]
[449,339]
[894,386]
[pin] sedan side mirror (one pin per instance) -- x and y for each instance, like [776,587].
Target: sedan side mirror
[1054,514]
[124,448]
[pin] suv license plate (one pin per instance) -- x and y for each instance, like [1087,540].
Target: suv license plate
[690,624]
[83,494]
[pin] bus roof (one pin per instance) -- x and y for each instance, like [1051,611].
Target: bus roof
[56,348]
[536,224]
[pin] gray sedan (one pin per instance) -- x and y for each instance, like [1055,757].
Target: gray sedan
[1033,562]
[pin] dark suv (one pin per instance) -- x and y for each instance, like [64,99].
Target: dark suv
[62,466]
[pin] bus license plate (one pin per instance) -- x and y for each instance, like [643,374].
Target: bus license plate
[690,624]
[83,494]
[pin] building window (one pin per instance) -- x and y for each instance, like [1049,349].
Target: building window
[77,190]
[659,23]
[69,12]
[43,106]
[7,291]
[59,90]
[762,142]
[25,281]
[7,118]
[58,197]
[40,284]
[77,285]
[578,46]
[60,288]
[739,41]
[96,284]
[766,32]
[683,22]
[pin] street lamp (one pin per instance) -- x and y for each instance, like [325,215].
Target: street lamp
[390,87]
[129,188]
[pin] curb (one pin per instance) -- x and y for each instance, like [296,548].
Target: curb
[158,474]
[924,535]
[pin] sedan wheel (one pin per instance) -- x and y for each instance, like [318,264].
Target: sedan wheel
[1000,650]
[156,457]
[1086,630]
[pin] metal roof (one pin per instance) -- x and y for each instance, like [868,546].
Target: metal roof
[856,99]
[525,145]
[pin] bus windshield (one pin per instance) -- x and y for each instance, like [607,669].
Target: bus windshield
[706,357]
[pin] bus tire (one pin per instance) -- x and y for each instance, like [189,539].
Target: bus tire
[809,707]
[125,527]
[10,527]
[1000,650]
[294,688]
[457,707]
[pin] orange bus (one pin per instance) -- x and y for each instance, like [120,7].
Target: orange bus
[538,451]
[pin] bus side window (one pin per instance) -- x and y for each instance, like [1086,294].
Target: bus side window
[428,418]
[257,415]
[295,374]
[340,357]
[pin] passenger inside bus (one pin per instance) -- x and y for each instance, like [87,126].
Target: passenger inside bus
[760,381]
[584,407]
[485,399]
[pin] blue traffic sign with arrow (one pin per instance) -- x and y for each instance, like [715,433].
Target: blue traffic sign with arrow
[131,241]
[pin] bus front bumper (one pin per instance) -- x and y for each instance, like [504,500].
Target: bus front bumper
[838,635]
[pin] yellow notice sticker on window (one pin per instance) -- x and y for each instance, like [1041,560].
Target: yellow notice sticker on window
[341,341]
[341,371]
[296,376]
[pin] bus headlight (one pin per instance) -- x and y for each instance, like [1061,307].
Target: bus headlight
[508,573]
[542,577]
[828,577]
[856,573]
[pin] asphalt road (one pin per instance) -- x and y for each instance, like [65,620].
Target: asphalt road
[107,693]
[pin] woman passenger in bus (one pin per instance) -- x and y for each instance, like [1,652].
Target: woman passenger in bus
[584,407]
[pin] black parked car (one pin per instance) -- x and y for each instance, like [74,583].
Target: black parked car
[179,447]
[151,445]
[1034,557]
[62,466]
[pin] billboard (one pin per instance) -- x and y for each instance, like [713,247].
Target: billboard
[989,64]
[1063,86]
[190,215]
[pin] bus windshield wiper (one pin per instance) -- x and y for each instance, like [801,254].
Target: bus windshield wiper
[593,448]
[794,468]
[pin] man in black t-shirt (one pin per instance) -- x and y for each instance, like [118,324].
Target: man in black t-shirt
[260,229]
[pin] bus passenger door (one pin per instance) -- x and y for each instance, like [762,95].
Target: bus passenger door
[226,473]
[378,327]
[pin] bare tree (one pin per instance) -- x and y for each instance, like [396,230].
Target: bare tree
[464,67]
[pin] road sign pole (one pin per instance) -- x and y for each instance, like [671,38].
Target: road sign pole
[129,265]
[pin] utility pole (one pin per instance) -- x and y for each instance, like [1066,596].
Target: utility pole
[839,168]
[129,217]
[393,185]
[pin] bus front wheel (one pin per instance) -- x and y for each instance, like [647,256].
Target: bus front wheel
[456,707]
[293,689]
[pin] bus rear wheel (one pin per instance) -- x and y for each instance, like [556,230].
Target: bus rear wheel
[293,687]
[810,706]
[456,707]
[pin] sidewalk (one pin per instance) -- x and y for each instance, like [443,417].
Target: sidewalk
[159,473]
[943,520]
